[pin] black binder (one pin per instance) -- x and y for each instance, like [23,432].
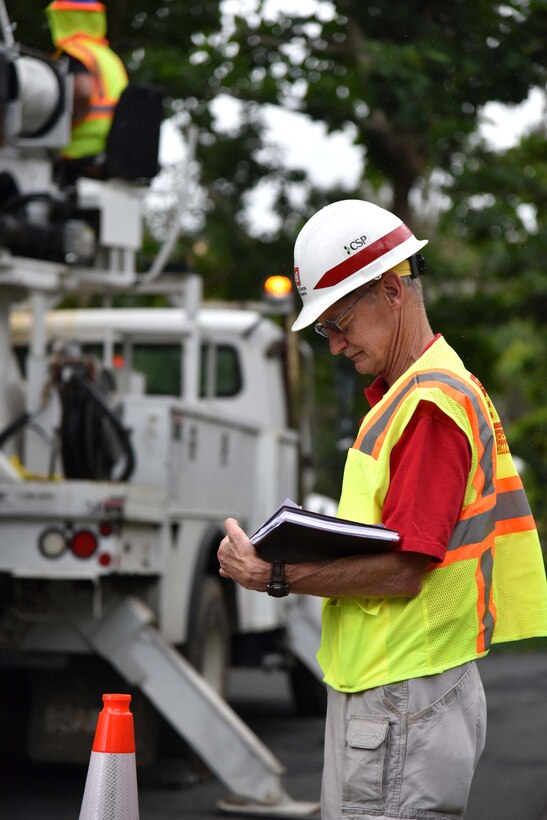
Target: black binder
[296,536]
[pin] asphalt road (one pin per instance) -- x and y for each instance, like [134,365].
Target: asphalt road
[510,784]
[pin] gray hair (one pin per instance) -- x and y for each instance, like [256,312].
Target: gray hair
[414,285]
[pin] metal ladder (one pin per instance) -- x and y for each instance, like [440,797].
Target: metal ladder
[125,636]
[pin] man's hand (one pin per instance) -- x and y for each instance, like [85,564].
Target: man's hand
[238,559]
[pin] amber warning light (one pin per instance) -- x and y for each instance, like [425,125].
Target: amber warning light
[278,286]
[278,293]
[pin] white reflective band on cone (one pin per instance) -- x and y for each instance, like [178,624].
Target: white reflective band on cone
[110,788]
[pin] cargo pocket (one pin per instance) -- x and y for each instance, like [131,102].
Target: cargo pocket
[363,777]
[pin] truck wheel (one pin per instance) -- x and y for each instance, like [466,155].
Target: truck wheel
[208,647]
[309,693]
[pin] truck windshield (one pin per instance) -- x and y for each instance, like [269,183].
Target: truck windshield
[161,366]
[220,371]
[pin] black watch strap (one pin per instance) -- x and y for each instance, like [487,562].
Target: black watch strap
[277,586]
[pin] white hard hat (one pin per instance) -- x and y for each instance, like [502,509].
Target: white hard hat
[343,246]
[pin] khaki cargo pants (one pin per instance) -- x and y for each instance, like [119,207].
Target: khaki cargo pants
[407,750]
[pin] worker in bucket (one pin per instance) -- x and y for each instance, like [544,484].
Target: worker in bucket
[401,631]
[78,29]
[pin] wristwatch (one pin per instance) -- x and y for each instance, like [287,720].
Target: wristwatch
[278,587]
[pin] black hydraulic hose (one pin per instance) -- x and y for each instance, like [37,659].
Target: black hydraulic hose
[122,432]
[20,200]
[14,427]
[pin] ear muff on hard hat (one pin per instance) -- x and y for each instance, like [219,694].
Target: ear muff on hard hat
[413,267]
[343,246]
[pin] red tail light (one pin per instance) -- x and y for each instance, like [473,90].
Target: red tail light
[106,528]
[83,543]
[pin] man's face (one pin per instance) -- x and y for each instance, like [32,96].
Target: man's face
[369,329]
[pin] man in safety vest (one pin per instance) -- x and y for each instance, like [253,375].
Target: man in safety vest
[78,29]
[406,714]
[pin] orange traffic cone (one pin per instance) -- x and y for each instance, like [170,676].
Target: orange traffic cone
[111,785]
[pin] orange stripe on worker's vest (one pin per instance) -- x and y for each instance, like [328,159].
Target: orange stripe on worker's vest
[511,525]
[79,35]
[104,115]
[467,552]
[364,257]
[70,5]
[509,483]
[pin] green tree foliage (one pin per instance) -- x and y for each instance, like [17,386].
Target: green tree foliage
[495,303]
[410,76]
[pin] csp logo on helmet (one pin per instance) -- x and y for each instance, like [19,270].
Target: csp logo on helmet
[355,244]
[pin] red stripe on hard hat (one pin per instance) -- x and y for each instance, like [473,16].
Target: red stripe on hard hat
[354,263]
[115,733]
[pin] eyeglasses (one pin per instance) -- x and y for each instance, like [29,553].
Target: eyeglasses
[338,325]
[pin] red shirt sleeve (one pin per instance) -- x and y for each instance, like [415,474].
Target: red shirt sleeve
[429,470]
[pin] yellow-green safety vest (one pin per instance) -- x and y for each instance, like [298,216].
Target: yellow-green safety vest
[490,587]
[80,32]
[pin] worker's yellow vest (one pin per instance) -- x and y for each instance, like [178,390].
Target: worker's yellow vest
[491,585]
[81,33]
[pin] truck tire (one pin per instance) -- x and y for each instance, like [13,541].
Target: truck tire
[208,648]
[309,693]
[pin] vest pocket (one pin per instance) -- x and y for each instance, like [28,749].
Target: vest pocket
[363,774]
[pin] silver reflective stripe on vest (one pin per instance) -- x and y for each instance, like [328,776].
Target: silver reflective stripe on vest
[485,430]
[472,530]
[488,622]
[512,504]
[102,108]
